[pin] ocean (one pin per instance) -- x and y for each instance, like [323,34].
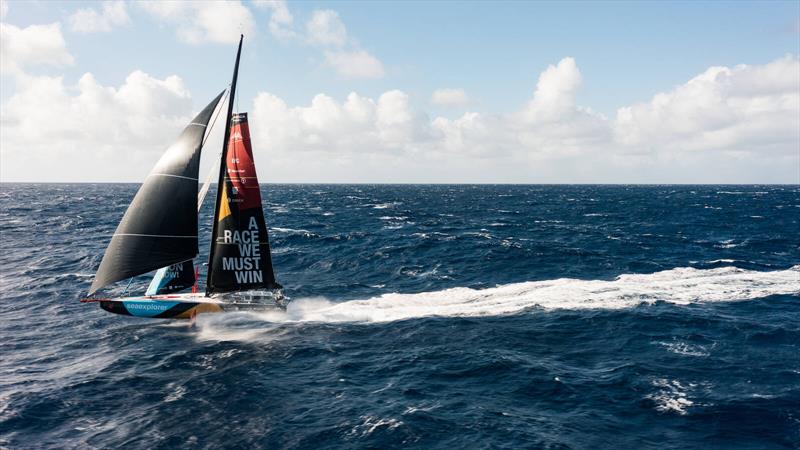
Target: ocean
[422,316]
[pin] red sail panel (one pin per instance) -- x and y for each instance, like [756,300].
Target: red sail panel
[242,259]
[240,165]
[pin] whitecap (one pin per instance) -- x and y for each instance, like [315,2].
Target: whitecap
[685,349]
[671,396]
[369,424]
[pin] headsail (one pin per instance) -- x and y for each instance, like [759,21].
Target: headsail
[241,254]
[174,278]
[160,226]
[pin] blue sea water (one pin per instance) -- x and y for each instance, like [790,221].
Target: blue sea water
[447,316]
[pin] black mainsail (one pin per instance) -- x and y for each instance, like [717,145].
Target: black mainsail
[160,226]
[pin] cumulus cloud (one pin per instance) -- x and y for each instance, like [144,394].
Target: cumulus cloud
[32,45]
[727,124]
[71,131]
[550,124]
[743,108]
[281,19]
[355,64]
[450,97]
[732,119]
[206,21]
[89,20]
[325,125]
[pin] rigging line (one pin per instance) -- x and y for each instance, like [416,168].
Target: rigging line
[125,292]
[206,184]
[219,110]
[201,195]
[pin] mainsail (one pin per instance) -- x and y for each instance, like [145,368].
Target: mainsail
[160,226]
[180,276]
[241,255]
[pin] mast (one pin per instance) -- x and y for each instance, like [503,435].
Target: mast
[223,157]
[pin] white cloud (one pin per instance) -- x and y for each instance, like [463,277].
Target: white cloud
[355,64]
[89,131]
[552,124]
[89,20]
[555,91]
[739,124]
[743,109]
[3,9]
[450,97]
[281,20]
[32,45]
[326,29]
[743,122]
[204,21]
[357,124]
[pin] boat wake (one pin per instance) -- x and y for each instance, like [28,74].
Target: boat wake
[679,286]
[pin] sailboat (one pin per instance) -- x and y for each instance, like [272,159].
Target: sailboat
[159,230]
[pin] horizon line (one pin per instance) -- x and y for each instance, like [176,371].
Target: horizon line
[432,184]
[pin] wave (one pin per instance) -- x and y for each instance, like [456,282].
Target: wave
[683,285]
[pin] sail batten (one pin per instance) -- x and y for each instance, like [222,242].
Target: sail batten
[159,227]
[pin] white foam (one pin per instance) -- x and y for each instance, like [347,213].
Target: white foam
[289,230]
[671,396]
[369,424]
[679,286]
[685,349]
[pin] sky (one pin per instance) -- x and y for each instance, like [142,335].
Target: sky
[408,92]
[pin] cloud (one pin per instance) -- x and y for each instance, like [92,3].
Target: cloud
[3,9]
[727,124]
[555,91]
[355,64]
[449,97]
[71,131]
[326,29]
[743,109]
[203,21]
[325,125]
[742,121]
[281,20]
[89,20]
[550,125]
[32,45]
